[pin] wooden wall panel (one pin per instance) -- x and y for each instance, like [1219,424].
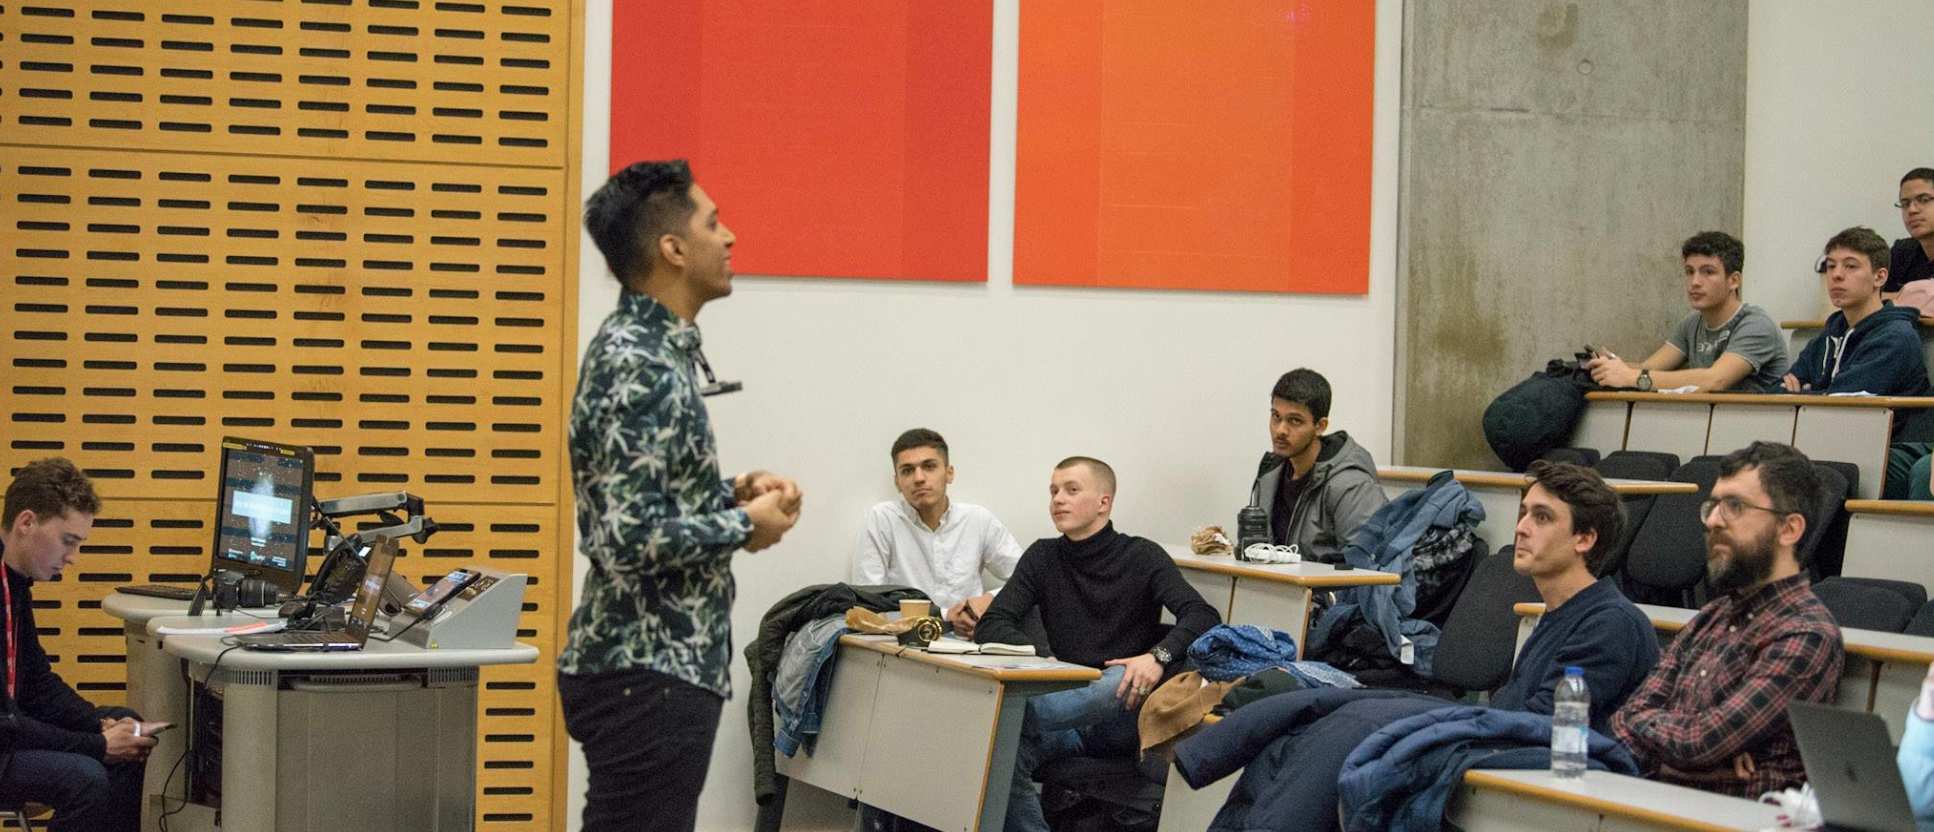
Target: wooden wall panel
[347,224]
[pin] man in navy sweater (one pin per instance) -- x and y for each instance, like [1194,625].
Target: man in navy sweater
[57,748]
[1101,594]
[1568,522]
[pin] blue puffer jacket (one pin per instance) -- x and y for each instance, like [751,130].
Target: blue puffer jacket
[1384,543]
[1402,777]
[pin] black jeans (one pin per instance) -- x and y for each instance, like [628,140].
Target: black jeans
[86,794]
[647,741]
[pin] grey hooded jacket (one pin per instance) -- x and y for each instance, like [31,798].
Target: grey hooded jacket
[1342,493]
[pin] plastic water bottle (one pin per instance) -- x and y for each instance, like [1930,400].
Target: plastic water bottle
[1571,709]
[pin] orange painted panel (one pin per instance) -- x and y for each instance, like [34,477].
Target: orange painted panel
[1215,146]
[841,138]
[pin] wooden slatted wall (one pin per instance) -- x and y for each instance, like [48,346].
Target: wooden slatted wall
[349,225]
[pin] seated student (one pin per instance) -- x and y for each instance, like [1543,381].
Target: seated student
[1870,345]
[1568,522]
[1101,594]
[1912,257]
[1725,344]
[1713,714]
[1316,488]
[1294,744]
[1916,756]
[929,541]
[57,748]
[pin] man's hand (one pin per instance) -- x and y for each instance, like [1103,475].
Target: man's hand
[1791,383]
[751,484]
[1612,372]
[966,614]
[122,745]
[1743,767]
[770,520]
[1143,674]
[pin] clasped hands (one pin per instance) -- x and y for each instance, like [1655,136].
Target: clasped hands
[771,501]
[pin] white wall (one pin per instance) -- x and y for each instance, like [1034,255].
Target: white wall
[1838,106]
[1169,387]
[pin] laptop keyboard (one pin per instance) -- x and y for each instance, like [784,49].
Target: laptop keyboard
[304,637]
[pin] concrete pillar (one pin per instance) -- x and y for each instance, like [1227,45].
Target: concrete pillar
[1555,154]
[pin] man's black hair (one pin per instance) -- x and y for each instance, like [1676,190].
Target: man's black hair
[919,438]
[1306,387]
[634,208]
[1726,247]
[1594,506]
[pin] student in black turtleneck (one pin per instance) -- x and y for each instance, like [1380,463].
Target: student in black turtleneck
[1101,595]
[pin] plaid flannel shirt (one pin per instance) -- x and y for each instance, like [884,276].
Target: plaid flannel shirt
[1722,687]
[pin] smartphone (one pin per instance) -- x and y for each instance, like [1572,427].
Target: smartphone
[149,729]
[427,602]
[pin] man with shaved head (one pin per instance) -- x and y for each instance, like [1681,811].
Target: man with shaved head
[1101,594]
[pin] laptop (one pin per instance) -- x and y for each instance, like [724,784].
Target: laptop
[1850,763]
[362,613]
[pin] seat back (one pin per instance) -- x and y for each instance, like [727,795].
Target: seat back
[1587,457]
[1479,639]
[1668,552]
[1864,606]
[1923,622]
[1637,465]
[1824,548]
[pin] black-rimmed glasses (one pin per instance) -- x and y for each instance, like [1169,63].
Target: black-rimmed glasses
[1729,508]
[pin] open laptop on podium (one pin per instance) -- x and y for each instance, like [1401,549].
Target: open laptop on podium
[362,613]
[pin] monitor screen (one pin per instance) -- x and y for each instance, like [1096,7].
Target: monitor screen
[262,511]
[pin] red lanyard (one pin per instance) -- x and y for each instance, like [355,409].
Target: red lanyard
[13,655]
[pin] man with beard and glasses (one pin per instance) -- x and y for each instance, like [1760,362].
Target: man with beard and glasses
[1713,713]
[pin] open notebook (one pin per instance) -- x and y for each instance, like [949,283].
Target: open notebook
[955,645]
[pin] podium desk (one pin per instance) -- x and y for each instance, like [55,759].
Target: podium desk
[1269,595]
[382,738]
[926,736]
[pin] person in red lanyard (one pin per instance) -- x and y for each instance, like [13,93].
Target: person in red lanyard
[56,748]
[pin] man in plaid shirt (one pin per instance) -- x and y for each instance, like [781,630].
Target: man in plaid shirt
[1713,713]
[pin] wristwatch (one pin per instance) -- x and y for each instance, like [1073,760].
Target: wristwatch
[1645,381]
[1162,655]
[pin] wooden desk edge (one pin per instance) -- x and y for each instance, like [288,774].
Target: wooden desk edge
[1506,479]
[1479,778]
[1785,400]
[998,674]
[1822,324]
[1899,508]
[1876,652]
[1347,577]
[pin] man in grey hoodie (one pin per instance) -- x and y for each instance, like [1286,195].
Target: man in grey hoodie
[1315,488]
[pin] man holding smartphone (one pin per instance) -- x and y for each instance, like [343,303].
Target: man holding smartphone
[57,748]
[1724,344]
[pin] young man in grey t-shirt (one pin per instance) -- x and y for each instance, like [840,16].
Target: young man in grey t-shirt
[1725,344]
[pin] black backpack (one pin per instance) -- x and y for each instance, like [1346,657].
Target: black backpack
[1537,414]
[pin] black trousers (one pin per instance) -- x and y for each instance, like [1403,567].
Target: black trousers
[647,741]
[86,794]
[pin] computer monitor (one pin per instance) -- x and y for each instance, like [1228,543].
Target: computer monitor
[262,511]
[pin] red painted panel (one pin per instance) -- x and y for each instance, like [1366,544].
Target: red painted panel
[841,138]
[1220,146]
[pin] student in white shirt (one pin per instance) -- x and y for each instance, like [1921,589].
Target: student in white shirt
[931,542]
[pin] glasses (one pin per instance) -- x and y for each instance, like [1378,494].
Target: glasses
[713,387]
[1730,507]
[1922,200]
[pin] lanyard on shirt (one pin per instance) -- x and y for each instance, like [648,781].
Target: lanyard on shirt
[13,655]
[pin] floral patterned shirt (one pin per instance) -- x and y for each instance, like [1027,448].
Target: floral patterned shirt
[656,520]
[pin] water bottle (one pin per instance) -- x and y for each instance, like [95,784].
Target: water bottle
[1571,714]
